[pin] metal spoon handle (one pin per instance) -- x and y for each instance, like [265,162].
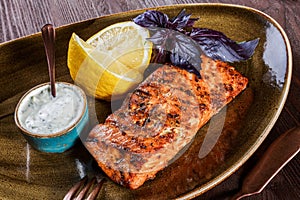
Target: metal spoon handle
[48,34]
[280,152]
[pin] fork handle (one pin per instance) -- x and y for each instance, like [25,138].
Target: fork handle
[280,152]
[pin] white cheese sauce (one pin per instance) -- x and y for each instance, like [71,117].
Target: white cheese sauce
[41,113]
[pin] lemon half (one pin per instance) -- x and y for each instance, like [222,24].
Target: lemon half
[112,61]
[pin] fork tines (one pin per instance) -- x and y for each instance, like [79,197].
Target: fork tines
[80,190]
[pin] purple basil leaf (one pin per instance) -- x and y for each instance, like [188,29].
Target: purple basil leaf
[177,60]
[187,49]
[182,49]
[181,21]
[218,46]
[162,44]
[152,18]
[162,38]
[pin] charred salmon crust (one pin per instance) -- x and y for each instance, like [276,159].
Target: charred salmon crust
[159,118]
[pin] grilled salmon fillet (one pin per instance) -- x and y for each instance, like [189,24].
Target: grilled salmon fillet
[160,118]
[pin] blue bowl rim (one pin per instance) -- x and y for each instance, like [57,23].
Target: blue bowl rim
[57,134]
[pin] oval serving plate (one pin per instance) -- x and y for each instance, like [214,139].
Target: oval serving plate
[28,174]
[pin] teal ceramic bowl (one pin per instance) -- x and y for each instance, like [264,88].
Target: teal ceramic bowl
[52,124]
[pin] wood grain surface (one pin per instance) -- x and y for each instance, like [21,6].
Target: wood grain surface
[20,18]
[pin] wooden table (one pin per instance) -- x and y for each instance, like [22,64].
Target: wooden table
[20,18]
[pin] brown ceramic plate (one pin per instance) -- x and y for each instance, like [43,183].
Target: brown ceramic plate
[29,174]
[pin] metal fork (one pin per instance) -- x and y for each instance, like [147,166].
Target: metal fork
[80,190]
[87,188]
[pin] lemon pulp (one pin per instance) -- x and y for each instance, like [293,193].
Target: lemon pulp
[112,61]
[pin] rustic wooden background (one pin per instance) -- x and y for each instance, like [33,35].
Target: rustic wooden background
[19,18]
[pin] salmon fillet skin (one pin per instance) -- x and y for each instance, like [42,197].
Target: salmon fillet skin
[159,119]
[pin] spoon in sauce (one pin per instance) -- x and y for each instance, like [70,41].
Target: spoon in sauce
[48,34]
